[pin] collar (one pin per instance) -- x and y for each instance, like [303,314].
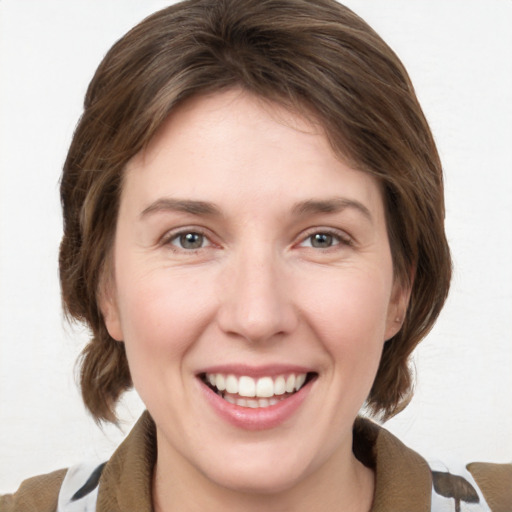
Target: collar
[403,479]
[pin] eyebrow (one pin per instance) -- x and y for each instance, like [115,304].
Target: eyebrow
[311,206]
[181,205]
[334,205]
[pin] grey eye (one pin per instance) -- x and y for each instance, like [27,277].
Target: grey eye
[190,240]
[322,240]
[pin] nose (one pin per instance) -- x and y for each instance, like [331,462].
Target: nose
[256,302]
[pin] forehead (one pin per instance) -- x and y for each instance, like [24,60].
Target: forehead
[225,117]
[238,143]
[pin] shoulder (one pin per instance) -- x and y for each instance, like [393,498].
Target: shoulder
[483,486]
[495,482]
[404,478]
[37,493]
[122,483]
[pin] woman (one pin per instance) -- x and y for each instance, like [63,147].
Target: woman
[253,213]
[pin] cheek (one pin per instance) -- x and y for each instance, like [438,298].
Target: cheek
[162,312]
[349,312]
[162,320]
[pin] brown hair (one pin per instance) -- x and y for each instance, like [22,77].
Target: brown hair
[312,56]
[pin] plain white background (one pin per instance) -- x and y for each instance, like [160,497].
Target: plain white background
[459,55]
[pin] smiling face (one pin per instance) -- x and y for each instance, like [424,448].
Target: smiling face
[253,288]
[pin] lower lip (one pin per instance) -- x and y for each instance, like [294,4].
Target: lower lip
[262,418]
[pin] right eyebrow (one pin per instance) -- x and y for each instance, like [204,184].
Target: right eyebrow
[167,204]
[333,205]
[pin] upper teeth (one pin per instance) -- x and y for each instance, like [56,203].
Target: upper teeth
[264,387]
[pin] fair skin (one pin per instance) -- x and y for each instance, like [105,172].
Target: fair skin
[247,251]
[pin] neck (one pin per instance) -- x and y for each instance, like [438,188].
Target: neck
[341,483]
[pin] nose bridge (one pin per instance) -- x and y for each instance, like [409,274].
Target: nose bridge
[256,301]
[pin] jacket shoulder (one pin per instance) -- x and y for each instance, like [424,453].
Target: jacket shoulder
[495,482]
[37,493]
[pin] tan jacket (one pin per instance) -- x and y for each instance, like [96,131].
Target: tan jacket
[403,478]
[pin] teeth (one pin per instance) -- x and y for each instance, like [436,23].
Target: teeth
[220,382]
[262,388]
[280,386]
[231,384]
[290,383]
[299,381]
[252,403]
[246,386]
[265,387]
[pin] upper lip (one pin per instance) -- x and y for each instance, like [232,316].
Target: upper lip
[272,370]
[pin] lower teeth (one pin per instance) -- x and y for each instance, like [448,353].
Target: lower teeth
[252,403]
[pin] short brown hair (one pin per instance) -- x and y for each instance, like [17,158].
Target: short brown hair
[312,56]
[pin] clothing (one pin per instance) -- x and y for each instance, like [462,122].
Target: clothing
[404,480]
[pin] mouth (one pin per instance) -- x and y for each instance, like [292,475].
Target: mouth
[256,393]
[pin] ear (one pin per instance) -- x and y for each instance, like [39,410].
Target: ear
[397,308]
[110,311]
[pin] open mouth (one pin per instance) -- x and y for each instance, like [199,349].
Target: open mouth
[255,393]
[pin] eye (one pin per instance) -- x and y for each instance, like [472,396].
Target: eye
[324,240]
[189,241]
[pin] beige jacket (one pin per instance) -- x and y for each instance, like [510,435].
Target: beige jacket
[403,478]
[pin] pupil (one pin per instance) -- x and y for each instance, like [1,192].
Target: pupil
[191,240]
[321,240]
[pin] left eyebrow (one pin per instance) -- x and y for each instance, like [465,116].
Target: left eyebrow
[334,205]
[181,205]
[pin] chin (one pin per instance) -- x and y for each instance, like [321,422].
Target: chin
[267,471]
[255,480]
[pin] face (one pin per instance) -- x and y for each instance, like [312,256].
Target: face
[253,288]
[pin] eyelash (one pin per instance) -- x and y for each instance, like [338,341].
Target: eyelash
[341,238]
[174,238]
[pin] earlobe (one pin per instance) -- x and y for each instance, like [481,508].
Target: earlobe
[393,327]
[111,317]
[397,309]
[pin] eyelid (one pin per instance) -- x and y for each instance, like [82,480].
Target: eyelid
[342,236]
[169,236]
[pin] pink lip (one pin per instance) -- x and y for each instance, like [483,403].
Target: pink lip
[255,419]
[253,371]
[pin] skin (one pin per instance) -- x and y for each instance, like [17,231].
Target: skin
[258,290]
